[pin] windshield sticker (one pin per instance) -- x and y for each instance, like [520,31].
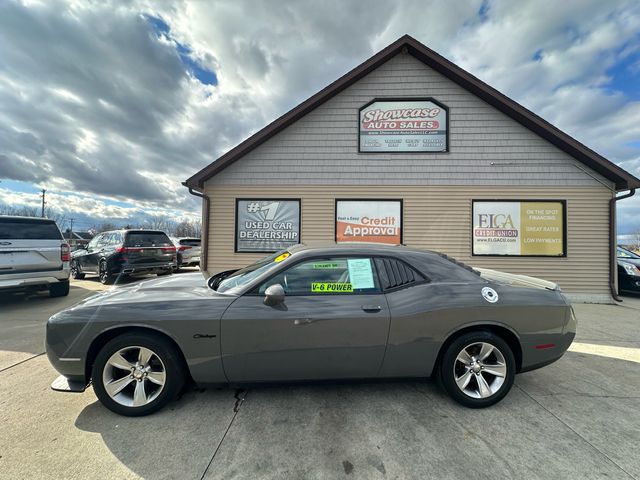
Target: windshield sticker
[280,258]
[327,266]
[360,273]
[331,287]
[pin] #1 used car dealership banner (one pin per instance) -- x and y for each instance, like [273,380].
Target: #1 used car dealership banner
[403,126]
[267,225]
[519,228]
[378,221]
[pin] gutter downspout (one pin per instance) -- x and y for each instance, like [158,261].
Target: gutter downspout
[613,243]
[204,252]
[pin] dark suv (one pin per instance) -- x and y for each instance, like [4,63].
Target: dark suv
[124,252]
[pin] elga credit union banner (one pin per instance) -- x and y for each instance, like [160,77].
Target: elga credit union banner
[378,221]
[403,126]
[267,225]
[518,228]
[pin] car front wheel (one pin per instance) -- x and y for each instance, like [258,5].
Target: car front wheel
[478,369]
[136,374]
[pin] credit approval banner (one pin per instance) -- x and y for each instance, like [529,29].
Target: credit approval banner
[378,221]
[267,225]
[403,125]
[519,228]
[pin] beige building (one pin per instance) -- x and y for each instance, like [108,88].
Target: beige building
[410,148]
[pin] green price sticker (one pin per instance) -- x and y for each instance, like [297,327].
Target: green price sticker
[331,287]
[326,265]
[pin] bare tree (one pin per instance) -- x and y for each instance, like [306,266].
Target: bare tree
[635,239]
[159,222]
[104,227]
[22,210]
[187,228]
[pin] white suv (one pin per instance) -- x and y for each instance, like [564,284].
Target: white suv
[33,256]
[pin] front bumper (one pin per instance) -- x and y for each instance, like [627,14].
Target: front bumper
[63,384]
[62,356]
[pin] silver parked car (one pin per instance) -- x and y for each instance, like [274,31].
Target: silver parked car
[188,251]
[33,256]
[343,311]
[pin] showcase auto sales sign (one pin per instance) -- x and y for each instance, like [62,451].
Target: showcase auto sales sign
[403,126]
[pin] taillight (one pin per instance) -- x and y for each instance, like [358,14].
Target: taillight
[168,249]
[182,249]
[65,252]
[128,250]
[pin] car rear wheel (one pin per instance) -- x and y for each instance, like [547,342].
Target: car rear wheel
[105,276]
[59,289]
[76,274]
[136,374]
[478,369]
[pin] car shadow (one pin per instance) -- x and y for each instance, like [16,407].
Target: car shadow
[176,442]
[317,428]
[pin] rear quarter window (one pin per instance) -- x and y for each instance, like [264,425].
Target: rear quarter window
[19,229]
[190,242]
[147,239]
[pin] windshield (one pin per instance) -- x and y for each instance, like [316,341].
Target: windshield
[624,253]
[247,274]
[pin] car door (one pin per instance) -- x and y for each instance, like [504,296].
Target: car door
[84,258]
[333,323]
[94,253]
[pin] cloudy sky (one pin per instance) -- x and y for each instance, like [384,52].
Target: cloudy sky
[111,105]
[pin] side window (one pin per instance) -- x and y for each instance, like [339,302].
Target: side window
[327,276]
[116,239]
[394,273]
[94,242]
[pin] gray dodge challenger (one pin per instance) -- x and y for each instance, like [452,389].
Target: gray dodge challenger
[336,312]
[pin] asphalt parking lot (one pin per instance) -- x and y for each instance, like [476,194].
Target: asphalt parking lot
[578,418]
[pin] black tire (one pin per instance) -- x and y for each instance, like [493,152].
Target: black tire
[76,274]
[104,275]
[175,374]
[59,289]
[449,366]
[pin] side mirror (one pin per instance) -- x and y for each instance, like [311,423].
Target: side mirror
[274,295]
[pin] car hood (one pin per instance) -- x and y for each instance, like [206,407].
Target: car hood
[632,261]
[515,280]
[188,286]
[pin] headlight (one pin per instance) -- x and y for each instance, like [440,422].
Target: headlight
[631,269]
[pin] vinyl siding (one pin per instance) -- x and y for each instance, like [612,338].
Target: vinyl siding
[437,218]
[486,147]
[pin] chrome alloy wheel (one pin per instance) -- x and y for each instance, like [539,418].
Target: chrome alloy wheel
[480,370]
[134,376]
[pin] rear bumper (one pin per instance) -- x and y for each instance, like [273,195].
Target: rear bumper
[148,268]
[33,280]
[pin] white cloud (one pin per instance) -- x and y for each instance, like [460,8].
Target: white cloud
[96,103]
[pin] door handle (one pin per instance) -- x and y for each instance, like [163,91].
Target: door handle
[371,308]
[302,321]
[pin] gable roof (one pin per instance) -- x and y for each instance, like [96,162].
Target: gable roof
[622,179]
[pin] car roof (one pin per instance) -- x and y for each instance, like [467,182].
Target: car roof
[26,219]
[133,230]
[356,247]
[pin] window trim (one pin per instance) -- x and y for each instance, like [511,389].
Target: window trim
[423,281]
[254,291]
